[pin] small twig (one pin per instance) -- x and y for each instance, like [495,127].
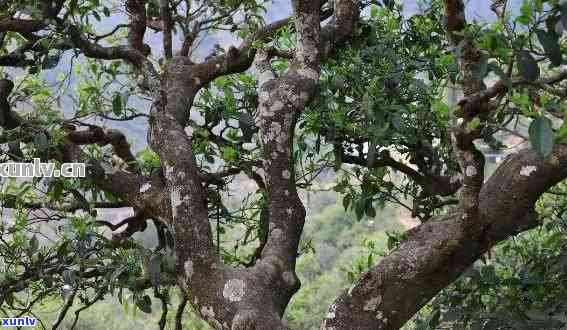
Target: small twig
[98,297]
[179,313]
[127,118]
[164,310]
[68,303]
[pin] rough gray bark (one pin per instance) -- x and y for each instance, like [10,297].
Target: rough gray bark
[253,298]
[440,250]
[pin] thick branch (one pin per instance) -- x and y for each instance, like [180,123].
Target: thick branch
[137,11]
[282,99]
[438,251]
[167,23]
[94,50]
[24,26]
[469,158]
[103,137]
[501,87]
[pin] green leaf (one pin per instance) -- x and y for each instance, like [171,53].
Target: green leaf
[73,6]
[9,299]
[41,142]
[473,124]
[542,136]
[117,104]
[550,42]
[367,103]
[373,11]
[229,100]
[359,208]
[488,274]
[434,319]
[440,108]
[346,201]
[144,304]
[110,197]
[389,3]
[57,189]
[539,5]
[34,244]
[62,249]
[527,65]
[229,153]
[526,13]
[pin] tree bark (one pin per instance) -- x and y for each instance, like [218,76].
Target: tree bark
[256,297]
